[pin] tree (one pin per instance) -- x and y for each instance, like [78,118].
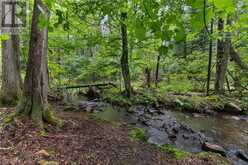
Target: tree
[222,60]
[34,102]
[124,57]
[210,56]
[11,76]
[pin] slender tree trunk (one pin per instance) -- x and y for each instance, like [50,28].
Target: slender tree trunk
[11,76]
[210,57]
[222,60]
[124,57]
[34,102]
[157,69]
[148,76]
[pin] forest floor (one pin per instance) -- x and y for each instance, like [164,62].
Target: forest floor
[81,141]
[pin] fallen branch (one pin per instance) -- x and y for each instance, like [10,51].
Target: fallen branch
[235,79]
[236,58]
[89,85]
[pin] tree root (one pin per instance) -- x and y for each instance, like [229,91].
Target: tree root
[39,113]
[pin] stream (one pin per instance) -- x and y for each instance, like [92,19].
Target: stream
[184,130]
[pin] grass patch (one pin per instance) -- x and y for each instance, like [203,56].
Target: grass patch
[138,134]
[175,152]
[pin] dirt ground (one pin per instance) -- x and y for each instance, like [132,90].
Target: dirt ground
[82,141]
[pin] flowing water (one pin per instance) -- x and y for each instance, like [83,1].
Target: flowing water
[228,131]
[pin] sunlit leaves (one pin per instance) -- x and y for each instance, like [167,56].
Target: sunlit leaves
[225,5]
[4,37]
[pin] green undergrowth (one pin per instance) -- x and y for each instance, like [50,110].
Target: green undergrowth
[191,102]
[175,152]
[138,134]
[140,97]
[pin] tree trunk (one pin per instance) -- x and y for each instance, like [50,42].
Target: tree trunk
[34,102]
[210,56]
[11,75]
[148,77]
[157,69]
[124,57]
[222,60]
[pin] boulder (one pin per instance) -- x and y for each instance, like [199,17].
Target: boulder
[93,93]
[214,148]
[91,106]
[232,108]
[158,137]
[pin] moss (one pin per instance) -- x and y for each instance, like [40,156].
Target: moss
[49,117]
[217,102]
[9,118]
[138,134]
[116,98]
[191,104]
[154,97]
[146,97]
[40,114]
[142,97]
[8,101]
[175,152]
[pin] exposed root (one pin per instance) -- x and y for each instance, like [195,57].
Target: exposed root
[39,113]
[50,118]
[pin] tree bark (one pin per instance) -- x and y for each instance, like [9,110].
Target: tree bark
[223,52]
[148,76]
[236,58]
[34,102]
[11,74]
[210,56]
[157,69]
[124,57]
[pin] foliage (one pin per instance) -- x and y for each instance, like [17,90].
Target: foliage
[177,153]
[138,134]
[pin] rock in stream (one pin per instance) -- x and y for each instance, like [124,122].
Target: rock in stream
[163,129]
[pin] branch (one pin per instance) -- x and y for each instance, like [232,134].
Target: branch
[89,85]
[236,58]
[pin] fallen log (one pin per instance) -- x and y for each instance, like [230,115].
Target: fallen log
[99,85]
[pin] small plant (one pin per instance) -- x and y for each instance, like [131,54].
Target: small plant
[175,152]
[138,134]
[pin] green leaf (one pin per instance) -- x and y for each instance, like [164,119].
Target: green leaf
[43,22]
[4,37]
[225,5]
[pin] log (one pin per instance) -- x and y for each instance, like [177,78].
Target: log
[89,85]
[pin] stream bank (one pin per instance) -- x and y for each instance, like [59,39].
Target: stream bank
[192,132]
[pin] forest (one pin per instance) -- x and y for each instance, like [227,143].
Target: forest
[124,82]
